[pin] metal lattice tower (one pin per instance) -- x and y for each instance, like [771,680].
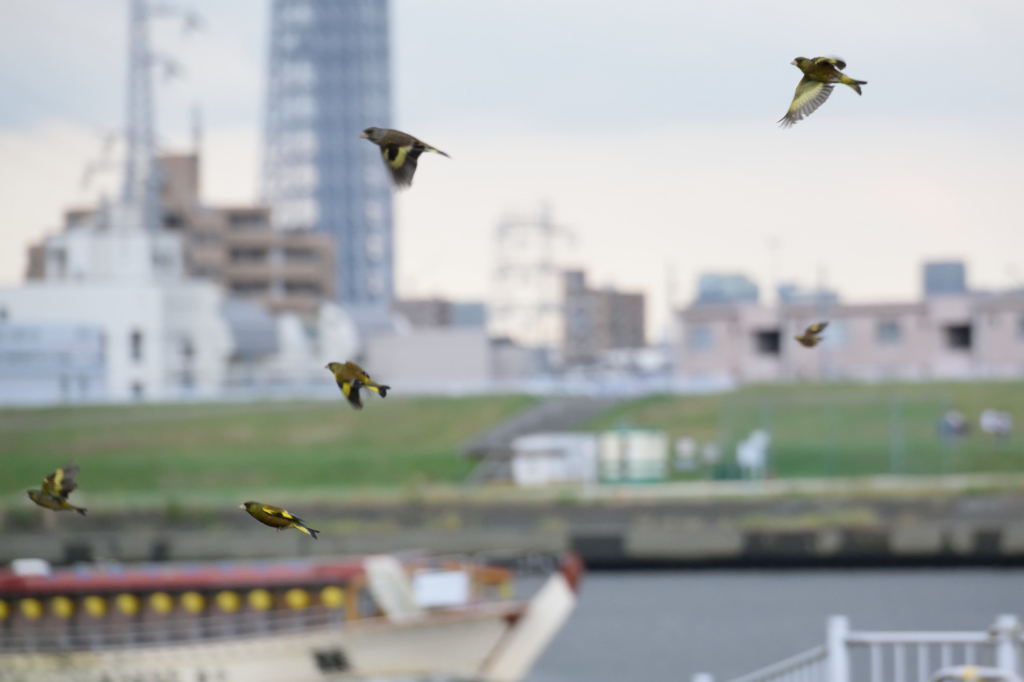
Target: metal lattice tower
[526,303]
[329,78]
[141,184]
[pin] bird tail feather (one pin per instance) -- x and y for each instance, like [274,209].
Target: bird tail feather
[307,530]
[80,510]
[855,84]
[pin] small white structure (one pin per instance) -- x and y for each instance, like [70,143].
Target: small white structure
[752,454]
[686,454]
[444,589]
[633,455]
[995,422]
[546,458]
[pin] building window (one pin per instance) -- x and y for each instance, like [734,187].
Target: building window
[958,336]
[3,316]
[173,220]
[701,337]
[244,288]
[248,255]
[246,221]
[767,342]
[138,390]
[135,345]
[301,255]
[302,288]
[888,332]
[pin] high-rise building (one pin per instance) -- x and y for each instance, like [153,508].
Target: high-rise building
[328,79]
[526,300]
[946,277]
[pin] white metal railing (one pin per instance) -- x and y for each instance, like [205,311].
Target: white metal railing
[881,656]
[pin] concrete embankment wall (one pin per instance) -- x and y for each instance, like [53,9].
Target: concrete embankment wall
[784,525]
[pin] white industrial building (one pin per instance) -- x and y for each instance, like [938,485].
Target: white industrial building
[160,335]
[116,319]
[552,458]
[625,455]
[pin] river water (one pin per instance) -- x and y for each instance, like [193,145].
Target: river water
[666,626]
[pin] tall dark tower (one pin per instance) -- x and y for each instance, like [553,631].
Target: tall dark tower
[329,78]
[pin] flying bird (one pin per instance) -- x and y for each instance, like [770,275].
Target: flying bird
[56,487]
[400,152]
[278,518]
[812,335]
[350,377]
[814,88]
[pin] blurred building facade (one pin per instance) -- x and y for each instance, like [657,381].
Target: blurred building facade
[944,277]
[157,296]
[440,312]
[233,246]
[328,79]
[716,287]
[596,321]
[791,294]
[52,362]
[159,332]
[526,304]
[444,346]
[950,336]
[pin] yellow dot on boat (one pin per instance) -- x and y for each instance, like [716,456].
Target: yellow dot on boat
[228,601]
[128,604]
[31,608]
[332,596]
[193,602]
[161,602]
[94,606]
[62,607]
[260,600]
[296,598]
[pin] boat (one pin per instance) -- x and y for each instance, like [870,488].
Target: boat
[375,617]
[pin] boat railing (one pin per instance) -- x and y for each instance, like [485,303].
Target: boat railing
[896,656]
[102,633]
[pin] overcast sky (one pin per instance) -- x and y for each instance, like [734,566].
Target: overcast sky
[649,127]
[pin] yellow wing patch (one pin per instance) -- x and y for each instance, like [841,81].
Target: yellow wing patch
[278,512]
[400,157]
[346,388]
[53,483]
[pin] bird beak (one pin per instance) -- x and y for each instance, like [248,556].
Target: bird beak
[364,136]
[793,63]
[241,506]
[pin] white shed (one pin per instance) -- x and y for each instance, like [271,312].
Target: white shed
[546,458]
[631,455]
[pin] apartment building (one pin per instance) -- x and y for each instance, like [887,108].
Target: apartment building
[598,320]
[954,336]
[234,246]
